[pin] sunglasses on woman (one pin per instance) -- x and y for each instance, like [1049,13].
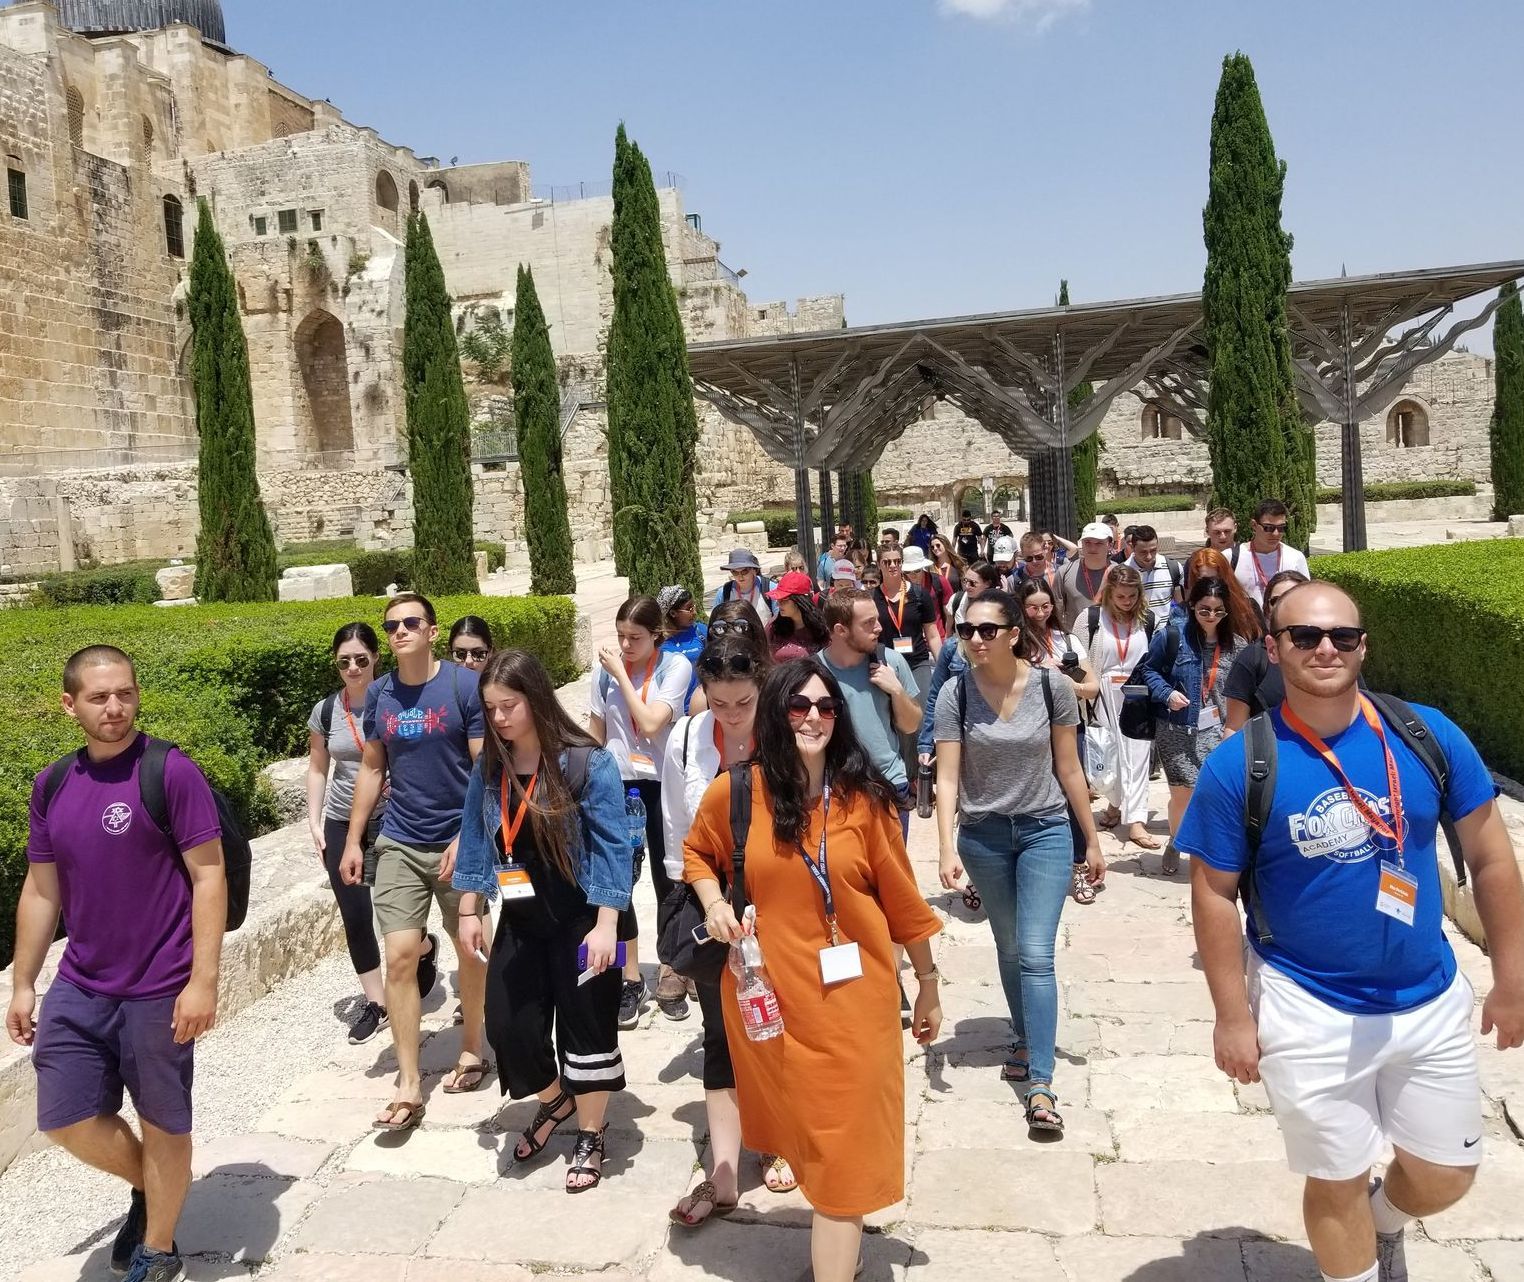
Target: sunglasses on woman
[470,654]
[986,631]
[412,623]
[360,661]
[716,666]
[1304,636]
[741,627]
[799,706]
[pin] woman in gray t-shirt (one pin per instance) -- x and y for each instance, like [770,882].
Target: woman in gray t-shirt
[337,740]
[1006,766]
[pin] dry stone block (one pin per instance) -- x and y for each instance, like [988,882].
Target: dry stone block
[316,583]
[176,582]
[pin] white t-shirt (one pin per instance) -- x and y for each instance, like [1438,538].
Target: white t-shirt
[683,784]
[1253,571]
[1157,586]
[640,758]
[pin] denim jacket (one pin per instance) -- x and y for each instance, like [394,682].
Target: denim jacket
[601,852]
[950,662]
[1186,675]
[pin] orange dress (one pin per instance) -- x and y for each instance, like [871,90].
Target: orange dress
[829,1094]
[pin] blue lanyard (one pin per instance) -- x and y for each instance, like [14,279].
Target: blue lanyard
[820,870]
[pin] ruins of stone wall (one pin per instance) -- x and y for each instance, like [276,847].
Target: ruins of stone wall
[809,315]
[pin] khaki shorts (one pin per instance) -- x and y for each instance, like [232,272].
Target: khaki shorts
[407,877]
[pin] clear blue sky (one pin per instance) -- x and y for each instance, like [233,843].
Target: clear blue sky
[937,157]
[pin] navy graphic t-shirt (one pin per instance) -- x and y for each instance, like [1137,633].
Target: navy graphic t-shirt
[426,731]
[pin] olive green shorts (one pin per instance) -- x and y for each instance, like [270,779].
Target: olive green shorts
[407,878]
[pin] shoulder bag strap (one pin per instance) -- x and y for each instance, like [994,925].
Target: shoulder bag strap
[687,730]
[1260,768]
[1412,730]
[57,773]
[1047,691]
[740,829]
[151,783]
[325,717]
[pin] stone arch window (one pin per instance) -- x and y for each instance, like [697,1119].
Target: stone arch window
[1158,425]
[281,130]
[174,227]
[147,138]
[412,197]
[1407,425]
[75,101]
[386,191]
[323,413]
[15,187]
[438,185]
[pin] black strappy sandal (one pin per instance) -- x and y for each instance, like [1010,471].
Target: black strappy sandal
[545,1113]
[588,1143]
[1043,1119]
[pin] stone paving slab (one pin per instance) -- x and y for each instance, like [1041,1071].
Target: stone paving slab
[1183,1199]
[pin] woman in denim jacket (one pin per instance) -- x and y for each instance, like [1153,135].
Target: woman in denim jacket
[1188,692]
[544,826]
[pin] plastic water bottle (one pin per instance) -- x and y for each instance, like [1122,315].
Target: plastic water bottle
[635,822]
[755,995]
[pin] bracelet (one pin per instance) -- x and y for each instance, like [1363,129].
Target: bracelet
[713,906]
[933,973]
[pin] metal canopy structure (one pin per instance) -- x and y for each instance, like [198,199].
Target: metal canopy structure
[834,400]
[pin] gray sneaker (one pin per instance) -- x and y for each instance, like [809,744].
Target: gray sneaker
[156,1266]
[632,996]
[1391,1254]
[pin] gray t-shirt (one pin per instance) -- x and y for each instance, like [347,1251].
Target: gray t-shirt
[345,754]
[1007,766]
[872,714]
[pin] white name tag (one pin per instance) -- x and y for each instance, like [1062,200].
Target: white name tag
[904,644]
[841,963]
[513,882]
[1208,718]
[1397,896]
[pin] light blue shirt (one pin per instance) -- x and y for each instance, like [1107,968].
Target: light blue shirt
[872,714]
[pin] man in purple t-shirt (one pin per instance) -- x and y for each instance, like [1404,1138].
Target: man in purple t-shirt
[138,980]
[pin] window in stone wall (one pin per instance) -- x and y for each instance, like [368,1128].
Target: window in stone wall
[315,216]
[75,102]
[412,196]
[285,221]
[386,191]
[261,225]
[174,227]
[1407,425]
[1159,426]
[15,182]
[147,138]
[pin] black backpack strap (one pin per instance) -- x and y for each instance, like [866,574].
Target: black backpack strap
[1176,573]
[1092,624]
[1260,769]
[1148,624]
[1413,731]
[151,783]
[1233,560]
[1046,677]
[740,829]
[962,704]
[576,771]
[687,730]
[57,773]
[325,714]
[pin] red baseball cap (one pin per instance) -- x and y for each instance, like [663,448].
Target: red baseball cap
[794,583]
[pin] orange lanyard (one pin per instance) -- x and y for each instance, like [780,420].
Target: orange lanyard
[1084,577]
[1124,644]
[1211,676]
[1390,831]
[898,615]
[1259,574]
[719,745]
[511,829]
[635,735]
[359,742]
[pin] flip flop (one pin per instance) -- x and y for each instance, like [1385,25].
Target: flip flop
[412,1115]
[704,1192]
[776,1166]
[475,1072]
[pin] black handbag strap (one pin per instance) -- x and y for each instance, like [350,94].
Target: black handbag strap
[740,829]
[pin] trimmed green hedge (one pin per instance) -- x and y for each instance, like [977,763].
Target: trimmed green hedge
[1446,627]
[232,684]
[1148,503]
[130,583]
[1386,491]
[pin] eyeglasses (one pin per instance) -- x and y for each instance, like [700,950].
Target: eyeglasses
[1041,556]
[739,570]
[986,631]
[1304,636]
[471,654]
[360,661]
[412,623]
[715,666]
[890,561]
[741,627]
[799,706]
[1208,613]
[1270,528]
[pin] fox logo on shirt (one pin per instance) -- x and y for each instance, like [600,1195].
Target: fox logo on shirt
[117,818]
[1331,828]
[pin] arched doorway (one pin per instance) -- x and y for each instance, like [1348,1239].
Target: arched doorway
[386,191]
[1407,425]
[324,422]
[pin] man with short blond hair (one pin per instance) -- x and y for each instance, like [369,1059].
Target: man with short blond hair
[1222,532]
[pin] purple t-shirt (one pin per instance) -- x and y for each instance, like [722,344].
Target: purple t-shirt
[125,889]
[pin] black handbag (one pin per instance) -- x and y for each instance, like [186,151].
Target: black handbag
[680,913]
[1135,718]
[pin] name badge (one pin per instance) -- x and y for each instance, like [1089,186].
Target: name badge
[904,644]
[840,963]
[1208,718]
[1397,896]
[642,759]
[513,882]
[1119,678]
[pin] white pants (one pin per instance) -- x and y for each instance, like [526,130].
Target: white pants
[1129,794]
[1344,1086]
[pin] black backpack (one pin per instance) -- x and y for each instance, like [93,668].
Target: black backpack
[237,854]
[1260,769]
[1093,624]
[680,913]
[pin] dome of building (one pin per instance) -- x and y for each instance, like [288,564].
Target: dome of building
[114,17]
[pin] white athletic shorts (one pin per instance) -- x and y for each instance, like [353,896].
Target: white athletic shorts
[1344,1086]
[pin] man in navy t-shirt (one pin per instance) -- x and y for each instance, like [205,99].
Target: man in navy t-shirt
[1354,1012]
[423,729]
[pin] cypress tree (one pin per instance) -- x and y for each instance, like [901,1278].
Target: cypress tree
[438,425]
[235,551]
[1087,453]
[1507,428]
[537,422]
[1260,445]
[653,427]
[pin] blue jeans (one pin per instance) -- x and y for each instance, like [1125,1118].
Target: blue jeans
[1022,868]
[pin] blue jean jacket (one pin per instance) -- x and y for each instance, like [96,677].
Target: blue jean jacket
[601,850]
[1184,676]
[950,662]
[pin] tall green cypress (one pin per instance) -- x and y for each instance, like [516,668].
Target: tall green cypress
[537,421]
[438,425]
[235,550]
[1260,445]
[1507,429]
[1087,453]
[653,428]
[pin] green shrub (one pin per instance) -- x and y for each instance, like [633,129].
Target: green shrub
[130,583]
[1444,621]
[317,552]
[888,515]
[372,572]
[1148,503]
[497,553]
[1386,491]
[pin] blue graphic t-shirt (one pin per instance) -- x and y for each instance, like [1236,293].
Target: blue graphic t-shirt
[690,644]
[1319,864]
[425,731]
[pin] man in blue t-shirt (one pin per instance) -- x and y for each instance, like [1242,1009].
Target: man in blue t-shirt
[423,729]
[1354,1012]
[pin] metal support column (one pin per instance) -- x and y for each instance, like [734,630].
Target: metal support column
[804,509]
[1351,465]
[827,510]
[1064,520]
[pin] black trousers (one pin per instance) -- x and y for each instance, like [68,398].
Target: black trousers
[656,837]
[719,1072]
[353,901]
[541,1025]
[1075,830]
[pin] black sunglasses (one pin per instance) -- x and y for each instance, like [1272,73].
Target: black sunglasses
[1269,528]
[799,706]
[986,631]
[412,623]
[741,627]
[717,666]
[470,654]
[361,661]
[1304,636]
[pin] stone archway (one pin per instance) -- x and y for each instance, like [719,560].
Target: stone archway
[324,423]
[1407,424]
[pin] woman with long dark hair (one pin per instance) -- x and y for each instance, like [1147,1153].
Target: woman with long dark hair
[946,562]
[336,740]
[1255,684]
[827,870]
[470,643]
[735,620]
[1009,772]
[543,828]
[798,630]
[1187,675]
[922,532]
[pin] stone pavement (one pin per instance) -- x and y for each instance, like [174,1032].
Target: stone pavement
[1168,1172]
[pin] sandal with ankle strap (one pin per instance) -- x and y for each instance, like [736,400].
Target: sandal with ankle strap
[545,1113]
[1043,1118]
[588,1144]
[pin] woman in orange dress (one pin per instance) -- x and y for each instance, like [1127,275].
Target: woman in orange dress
[828,1094]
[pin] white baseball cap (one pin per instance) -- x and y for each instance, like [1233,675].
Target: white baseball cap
[1095,530]
[1005,549]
